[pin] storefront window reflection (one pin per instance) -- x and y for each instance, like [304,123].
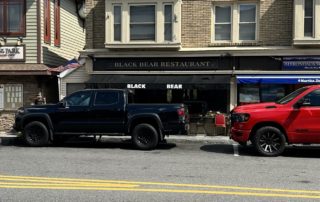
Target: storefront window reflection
[249,94]
[271,93]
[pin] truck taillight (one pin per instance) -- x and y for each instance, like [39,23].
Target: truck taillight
[182,114]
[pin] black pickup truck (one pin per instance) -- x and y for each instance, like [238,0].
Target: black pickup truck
[101,112]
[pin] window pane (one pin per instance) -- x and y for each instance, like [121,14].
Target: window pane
[142,14]
[223,14]
[247,31]
[223,32]
[79,99]
[142,32]
[15,12]
[142,22]
[308,8]
[106,98]
[117,23]
[168,23]
[1,17]
[168,13]
[308,26]
[313,98]
[247,13]
[168,32]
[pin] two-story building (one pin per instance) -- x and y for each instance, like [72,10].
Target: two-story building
[212,54]
[35,35]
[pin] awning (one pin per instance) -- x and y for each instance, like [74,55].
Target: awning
[278,79]
[159,81]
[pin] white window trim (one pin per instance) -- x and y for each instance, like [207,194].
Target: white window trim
[256,23]
[313,21]
[235,22]
[159,42]
[214,23]
[298,28]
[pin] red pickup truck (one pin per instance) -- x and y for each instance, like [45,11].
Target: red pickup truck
[294,119]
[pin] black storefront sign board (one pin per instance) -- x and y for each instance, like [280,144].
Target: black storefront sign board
[167,64]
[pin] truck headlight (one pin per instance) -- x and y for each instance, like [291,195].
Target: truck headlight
[241,117]
[20,111]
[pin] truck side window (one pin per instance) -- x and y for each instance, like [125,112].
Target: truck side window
[79,99]
[106,98]
[313,98]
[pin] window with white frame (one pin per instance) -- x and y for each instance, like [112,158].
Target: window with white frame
[11,96]
[223,23]
[247,22]
[143,22]
[236,22]
[168,22]
[308,18]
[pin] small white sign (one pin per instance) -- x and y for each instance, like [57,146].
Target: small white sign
[12,53]
[136,86]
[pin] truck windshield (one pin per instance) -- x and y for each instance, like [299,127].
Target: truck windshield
[291,96]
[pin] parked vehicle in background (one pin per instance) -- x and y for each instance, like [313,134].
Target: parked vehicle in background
[294,119]
[101,112]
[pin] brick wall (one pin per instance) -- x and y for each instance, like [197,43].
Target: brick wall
[275,23]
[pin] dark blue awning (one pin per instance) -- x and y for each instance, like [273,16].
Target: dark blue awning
[278,79]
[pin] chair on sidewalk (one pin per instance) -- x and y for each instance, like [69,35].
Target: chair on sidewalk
[220,122]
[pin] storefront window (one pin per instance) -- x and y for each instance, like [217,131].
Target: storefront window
[249,94]
[271,93]
[12,95]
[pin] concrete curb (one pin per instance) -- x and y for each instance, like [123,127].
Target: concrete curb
[171,138]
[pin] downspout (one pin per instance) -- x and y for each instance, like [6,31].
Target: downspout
[39,32]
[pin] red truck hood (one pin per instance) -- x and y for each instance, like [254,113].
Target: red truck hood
[256,106]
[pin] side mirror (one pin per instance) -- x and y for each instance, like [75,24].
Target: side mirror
[62,103]
[302,102]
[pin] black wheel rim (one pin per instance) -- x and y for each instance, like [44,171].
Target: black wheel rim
[144,137]
[270,142]
[34,134]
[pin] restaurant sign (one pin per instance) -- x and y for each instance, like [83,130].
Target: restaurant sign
[301,63]
[162,63]
[12,53]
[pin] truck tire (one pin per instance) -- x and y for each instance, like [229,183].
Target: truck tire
[145,136]
[36,134]
[269,141]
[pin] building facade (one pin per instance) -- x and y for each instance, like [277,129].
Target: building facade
[210,54]
[34,36]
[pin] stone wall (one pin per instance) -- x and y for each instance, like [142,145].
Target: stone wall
[6,120]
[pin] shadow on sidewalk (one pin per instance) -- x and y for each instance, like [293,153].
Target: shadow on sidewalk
[86,142]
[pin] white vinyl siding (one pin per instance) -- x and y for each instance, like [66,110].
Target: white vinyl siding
[72,35]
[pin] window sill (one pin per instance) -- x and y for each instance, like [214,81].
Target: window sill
[231,44]
[143,45]
[307,42]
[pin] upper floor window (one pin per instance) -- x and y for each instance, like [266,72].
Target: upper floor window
[308,18]
[143,22]
[47,25]
[234,26]
[12,17]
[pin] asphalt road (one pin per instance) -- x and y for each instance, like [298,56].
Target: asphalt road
[113,170]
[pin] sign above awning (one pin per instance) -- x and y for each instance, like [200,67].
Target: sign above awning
[278,79]
[301,63]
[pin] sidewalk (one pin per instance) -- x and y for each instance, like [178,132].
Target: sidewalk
[171,138]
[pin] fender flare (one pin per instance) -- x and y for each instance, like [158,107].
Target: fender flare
[145,115]
[40,115]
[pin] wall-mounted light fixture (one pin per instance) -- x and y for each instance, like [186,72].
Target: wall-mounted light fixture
[19,40]
[3,40]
